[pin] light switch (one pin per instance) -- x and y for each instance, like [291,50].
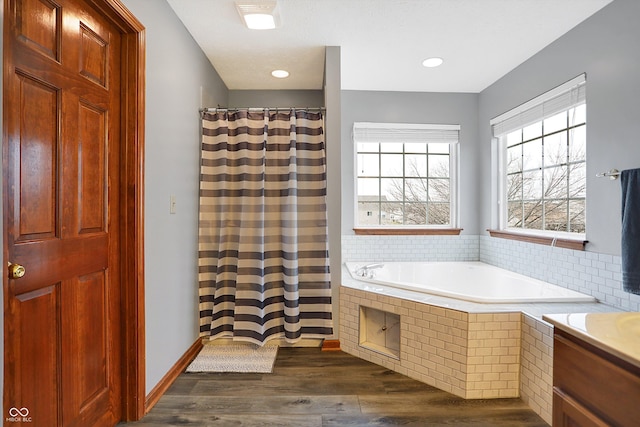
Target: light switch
[172,204]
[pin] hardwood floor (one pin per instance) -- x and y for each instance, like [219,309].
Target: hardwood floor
[311,388]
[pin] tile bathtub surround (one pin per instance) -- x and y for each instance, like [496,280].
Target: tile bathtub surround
[588,272]
[591,273]
[536,368]
[410,248]
[493,362]
[471,355]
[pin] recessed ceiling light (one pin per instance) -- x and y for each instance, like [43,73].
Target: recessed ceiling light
[432,62]
[280,74]
[259,14]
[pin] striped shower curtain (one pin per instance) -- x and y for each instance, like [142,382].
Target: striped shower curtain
[263,245]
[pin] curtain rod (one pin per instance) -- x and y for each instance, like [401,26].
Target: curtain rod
[214,109]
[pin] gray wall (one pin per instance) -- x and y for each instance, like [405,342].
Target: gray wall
[275,98]
[411,107]
[333,118]
[606,47]
[179,77]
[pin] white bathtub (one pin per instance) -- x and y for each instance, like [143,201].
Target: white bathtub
[468,281]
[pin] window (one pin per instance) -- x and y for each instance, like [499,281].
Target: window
[542,163]
[405,175]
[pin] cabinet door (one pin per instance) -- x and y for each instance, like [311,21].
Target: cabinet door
[603,385]
[569,413]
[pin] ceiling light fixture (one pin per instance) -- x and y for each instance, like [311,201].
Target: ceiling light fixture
[280,74]
[432,62]
[259,14]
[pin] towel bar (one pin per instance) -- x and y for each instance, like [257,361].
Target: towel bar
[612,174]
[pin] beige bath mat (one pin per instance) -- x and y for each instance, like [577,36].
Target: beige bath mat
[235,358]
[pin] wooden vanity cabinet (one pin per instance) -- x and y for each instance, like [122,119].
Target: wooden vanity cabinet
[592,388]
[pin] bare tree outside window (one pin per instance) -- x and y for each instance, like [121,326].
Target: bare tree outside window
[404,184]
[546,175]
[425,200]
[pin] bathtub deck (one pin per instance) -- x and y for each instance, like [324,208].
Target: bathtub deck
[311,388]
[536,310]
[474,351]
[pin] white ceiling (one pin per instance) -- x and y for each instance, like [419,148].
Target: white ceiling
[383,42]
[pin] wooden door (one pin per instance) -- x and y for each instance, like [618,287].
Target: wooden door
[62,162]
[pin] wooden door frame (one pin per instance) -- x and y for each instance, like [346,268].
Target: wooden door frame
[131,213]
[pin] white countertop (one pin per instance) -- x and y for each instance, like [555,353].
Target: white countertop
[615,333]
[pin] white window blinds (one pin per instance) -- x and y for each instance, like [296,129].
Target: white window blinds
[563,97]
[404,132]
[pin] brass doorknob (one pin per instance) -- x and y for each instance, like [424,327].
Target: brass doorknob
[16,271]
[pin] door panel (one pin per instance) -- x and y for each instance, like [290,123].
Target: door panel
[38,26]
[36,348]
[91,168]
[36,149]
[63,172]
[92,336]
[86,336]
[93,56]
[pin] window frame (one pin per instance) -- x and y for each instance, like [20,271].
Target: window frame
[400,133]
[500,227]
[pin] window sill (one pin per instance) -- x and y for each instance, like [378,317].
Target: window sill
[407,231]
[577,245]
